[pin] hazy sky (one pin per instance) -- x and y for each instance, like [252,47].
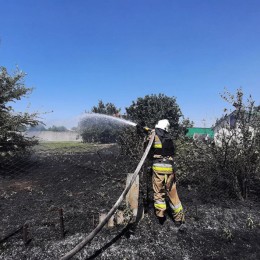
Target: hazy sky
[78,52]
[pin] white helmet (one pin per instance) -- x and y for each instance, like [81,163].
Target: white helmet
[163,124]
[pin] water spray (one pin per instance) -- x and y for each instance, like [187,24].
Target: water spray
[95,118]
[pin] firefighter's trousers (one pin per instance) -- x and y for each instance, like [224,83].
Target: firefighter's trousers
[164,184]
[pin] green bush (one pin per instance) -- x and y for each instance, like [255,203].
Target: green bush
[98,129]
[228,166]
[100,126]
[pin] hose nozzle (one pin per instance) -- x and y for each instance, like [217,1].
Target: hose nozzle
[142,129]
[147,129]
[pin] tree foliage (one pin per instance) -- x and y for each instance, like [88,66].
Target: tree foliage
[99,130]
[13,124]
[38,128]
[152,108]
[230,164]
[106,109]
[99,126]
[55,128]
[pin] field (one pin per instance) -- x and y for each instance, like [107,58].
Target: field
[77,178]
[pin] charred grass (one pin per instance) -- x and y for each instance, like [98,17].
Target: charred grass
[80,179]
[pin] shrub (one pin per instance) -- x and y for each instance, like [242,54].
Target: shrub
[100,126]
[230,164]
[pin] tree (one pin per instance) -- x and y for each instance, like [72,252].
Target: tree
[106,109]
[57,128]
[13,124]
[148,110]
[100,128]
[38,128]
[237,156]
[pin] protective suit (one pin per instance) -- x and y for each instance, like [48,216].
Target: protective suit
[164,176]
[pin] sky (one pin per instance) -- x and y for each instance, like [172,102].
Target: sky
[76,53]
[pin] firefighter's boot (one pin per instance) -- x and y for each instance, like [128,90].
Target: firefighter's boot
[178,214]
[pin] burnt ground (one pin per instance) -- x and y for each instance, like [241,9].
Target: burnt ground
[33,191]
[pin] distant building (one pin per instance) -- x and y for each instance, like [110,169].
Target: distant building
[201,133]
[227,121]
[229,127]
[226,128]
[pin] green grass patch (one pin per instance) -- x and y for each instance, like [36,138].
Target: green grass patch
[66,147]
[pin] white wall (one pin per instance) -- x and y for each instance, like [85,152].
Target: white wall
[52,136]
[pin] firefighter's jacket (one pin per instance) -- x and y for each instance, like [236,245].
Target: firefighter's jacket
[162,152]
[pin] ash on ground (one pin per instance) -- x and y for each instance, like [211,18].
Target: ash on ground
[82,185]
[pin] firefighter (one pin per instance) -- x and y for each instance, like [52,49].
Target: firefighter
[164,175]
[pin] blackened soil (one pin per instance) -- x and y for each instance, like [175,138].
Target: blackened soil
[85,184]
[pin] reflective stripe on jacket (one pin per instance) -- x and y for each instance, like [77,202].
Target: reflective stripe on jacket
[157,143]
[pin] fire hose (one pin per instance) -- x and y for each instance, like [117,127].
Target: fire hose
[95,231]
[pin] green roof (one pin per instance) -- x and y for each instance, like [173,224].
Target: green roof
[200,130]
